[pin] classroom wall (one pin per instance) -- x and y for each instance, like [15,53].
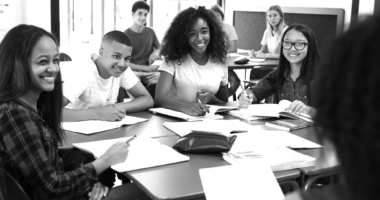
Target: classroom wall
[247,5]
[34,12]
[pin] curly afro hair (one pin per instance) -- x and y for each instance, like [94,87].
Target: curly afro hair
[175,44]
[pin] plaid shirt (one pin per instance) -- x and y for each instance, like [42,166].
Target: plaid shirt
[29,152]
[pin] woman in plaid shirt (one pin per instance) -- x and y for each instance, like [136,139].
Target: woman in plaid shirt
[30,116]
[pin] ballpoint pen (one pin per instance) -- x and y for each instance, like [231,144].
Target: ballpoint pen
[245,93]
[130,139]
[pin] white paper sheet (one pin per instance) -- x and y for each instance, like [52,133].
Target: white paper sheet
[95,126]
[143,153]
[248,181]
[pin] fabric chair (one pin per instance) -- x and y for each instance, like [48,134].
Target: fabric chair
[64,57]
[10,189]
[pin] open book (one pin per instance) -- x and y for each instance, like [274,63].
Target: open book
[270,110]
[278,159]
[213,109]
[143,153]
[95,126]
[225,127]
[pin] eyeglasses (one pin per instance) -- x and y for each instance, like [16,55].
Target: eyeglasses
[297,45]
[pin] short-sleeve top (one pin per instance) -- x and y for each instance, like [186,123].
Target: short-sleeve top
[85,88]
[272,41]
[189,77]
[230,31]
[142,44]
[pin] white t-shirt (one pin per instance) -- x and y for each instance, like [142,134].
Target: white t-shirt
[189,78]
[272,42]
[230,30]
[84,87]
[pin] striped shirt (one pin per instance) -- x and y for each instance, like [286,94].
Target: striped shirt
[85,88]
[29,152]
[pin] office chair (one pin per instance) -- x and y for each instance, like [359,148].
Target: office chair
[289,186]
[64,57]
[10,189]
[313,181]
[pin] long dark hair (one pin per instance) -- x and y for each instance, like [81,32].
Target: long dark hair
[348,107]
[175,43]
[309,63]
[15,52]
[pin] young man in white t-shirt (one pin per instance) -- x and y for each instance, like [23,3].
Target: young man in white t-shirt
[91,91]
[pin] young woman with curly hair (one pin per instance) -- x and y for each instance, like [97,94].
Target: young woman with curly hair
[299,57]
[195,70]
[348,110]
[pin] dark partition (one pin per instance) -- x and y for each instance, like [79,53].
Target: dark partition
[326,23]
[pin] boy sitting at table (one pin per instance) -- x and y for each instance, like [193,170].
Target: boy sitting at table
[91,91]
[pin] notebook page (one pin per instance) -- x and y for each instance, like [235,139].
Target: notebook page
[143,153]
[95,126]
[248,181]
[220,126]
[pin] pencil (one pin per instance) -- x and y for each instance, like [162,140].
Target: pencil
[130,139]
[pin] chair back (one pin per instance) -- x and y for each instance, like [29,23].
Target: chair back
[10,189]
[64,57]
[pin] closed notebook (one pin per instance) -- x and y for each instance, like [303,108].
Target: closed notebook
[289,124]
[95,126]
[143,153]
[181,115]
[278,159]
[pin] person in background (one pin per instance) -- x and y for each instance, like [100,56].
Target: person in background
[348,110]
[276,27]
[271,42]
[194,72]
[30,118]
[299,57]
[145,45]
[93,97]
[233,79]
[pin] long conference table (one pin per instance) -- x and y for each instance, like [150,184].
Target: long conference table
[182,180]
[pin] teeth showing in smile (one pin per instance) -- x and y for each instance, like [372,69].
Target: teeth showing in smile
[292,55]
[201,44]
[49,78]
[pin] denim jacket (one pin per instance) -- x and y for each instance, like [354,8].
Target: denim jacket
[289,90]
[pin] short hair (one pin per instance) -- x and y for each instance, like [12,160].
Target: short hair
[218,9]
[281,25]
[15,52]
[175,45]
[140,5]
[348,107]
[117,36]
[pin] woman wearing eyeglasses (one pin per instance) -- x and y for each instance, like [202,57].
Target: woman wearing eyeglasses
[292,79]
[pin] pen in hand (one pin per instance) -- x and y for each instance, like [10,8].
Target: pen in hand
[245,93]
[130,139]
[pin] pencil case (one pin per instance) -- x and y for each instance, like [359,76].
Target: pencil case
[204,142]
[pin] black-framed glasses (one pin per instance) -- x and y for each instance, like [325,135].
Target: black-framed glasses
[297,45]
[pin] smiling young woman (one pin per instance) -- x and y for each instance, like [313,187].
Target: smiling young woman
[299,57]
[195,71]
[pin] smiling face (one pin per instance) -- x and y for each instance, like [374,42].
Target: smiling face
[199,36]
[140,16]
[273,17]
[44,63]
[293,55]
[115,58]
